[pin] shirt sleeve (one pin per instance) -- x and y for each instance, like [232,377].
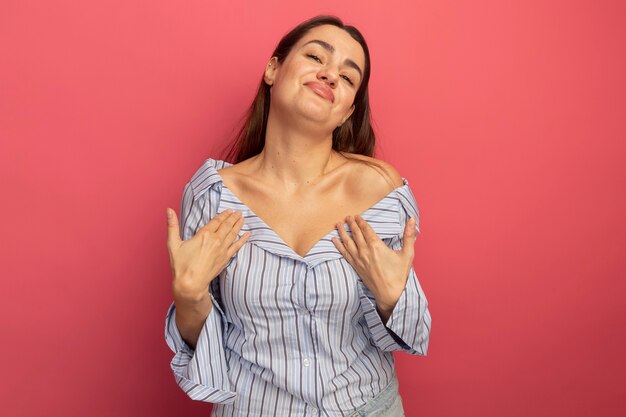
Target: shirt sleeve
[408,327]
[202,373]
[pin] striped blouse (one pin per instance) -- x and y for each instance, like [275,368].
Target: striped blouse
[290,334]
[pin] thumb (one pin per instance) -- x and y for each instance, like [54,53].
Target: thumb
[408,239]
[173,230]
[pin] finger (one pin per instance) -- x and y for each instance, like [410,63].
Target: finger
[346,241]
[408,238]
[173,229]
[234,248]
[215,222]
[357,235]
[230,237]
[340,247]
[368,233]
[228,224]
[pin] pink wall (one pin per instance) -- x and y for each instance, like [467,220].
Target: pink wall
[507,118]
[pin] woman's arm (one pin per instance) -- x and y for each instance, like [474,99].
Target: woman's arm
[195,324]
[190,317]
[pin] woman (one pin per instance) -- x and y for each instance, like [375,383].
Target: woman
[280,308]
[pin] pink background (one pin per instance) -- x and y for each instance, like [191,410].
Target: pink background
[507,118]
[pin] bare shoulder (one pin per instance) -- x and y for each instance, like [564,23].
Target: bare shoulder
[373,177]
[236,174]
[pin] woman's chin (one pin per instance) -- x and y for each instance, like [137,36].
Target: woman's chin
[315,112]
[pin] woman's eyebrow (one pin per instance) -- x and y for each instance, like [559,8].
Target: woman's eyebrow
[331,49]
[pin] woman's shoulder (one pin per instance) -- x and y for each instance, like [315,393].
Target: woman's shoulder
[377,176]
[379,179]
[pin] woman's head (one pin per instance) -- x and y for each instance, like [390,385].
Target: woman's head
[355,134]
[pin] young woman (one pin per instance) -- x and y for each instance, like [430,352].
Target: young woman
[287,301]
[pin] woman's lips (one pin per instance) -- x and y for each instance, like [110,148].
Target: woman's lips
[322,89]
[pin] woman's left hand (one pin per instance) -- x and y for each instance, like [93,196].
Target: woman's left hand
[383,270]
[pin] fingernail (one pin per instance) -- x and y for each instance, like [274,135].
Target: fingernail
[168,213]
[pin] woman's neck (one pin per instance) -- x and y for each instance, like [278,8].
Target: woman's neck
[294,158]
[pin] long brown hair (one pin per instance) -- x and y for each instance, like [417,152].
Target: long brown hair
[355,135]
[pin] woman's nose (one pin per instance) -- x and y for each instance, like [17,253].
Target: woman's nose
[328,76]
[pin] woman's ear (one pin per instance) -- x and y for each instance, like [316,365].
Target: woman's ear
[270,71]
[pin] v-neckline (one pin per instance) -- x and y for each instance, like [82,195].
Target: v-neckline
[334,231]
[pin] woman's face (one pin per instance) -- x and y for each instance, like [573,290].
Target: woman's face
[319,78]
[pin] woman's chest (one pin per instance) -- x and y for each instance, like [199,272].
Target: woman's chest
[300,219]
[300,223]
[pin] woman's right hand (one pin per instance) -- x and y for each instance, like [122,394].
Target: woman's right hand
[198,261]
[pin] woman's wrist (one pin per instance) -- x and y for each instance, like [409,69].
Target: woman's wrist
[185,295]
[384,313]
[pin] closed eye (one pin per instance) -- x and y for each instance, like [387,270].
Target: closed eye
[348,79]
[315,57]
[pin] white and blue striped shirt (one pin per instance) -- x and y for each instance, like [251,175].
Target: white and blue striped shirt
[293,335]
